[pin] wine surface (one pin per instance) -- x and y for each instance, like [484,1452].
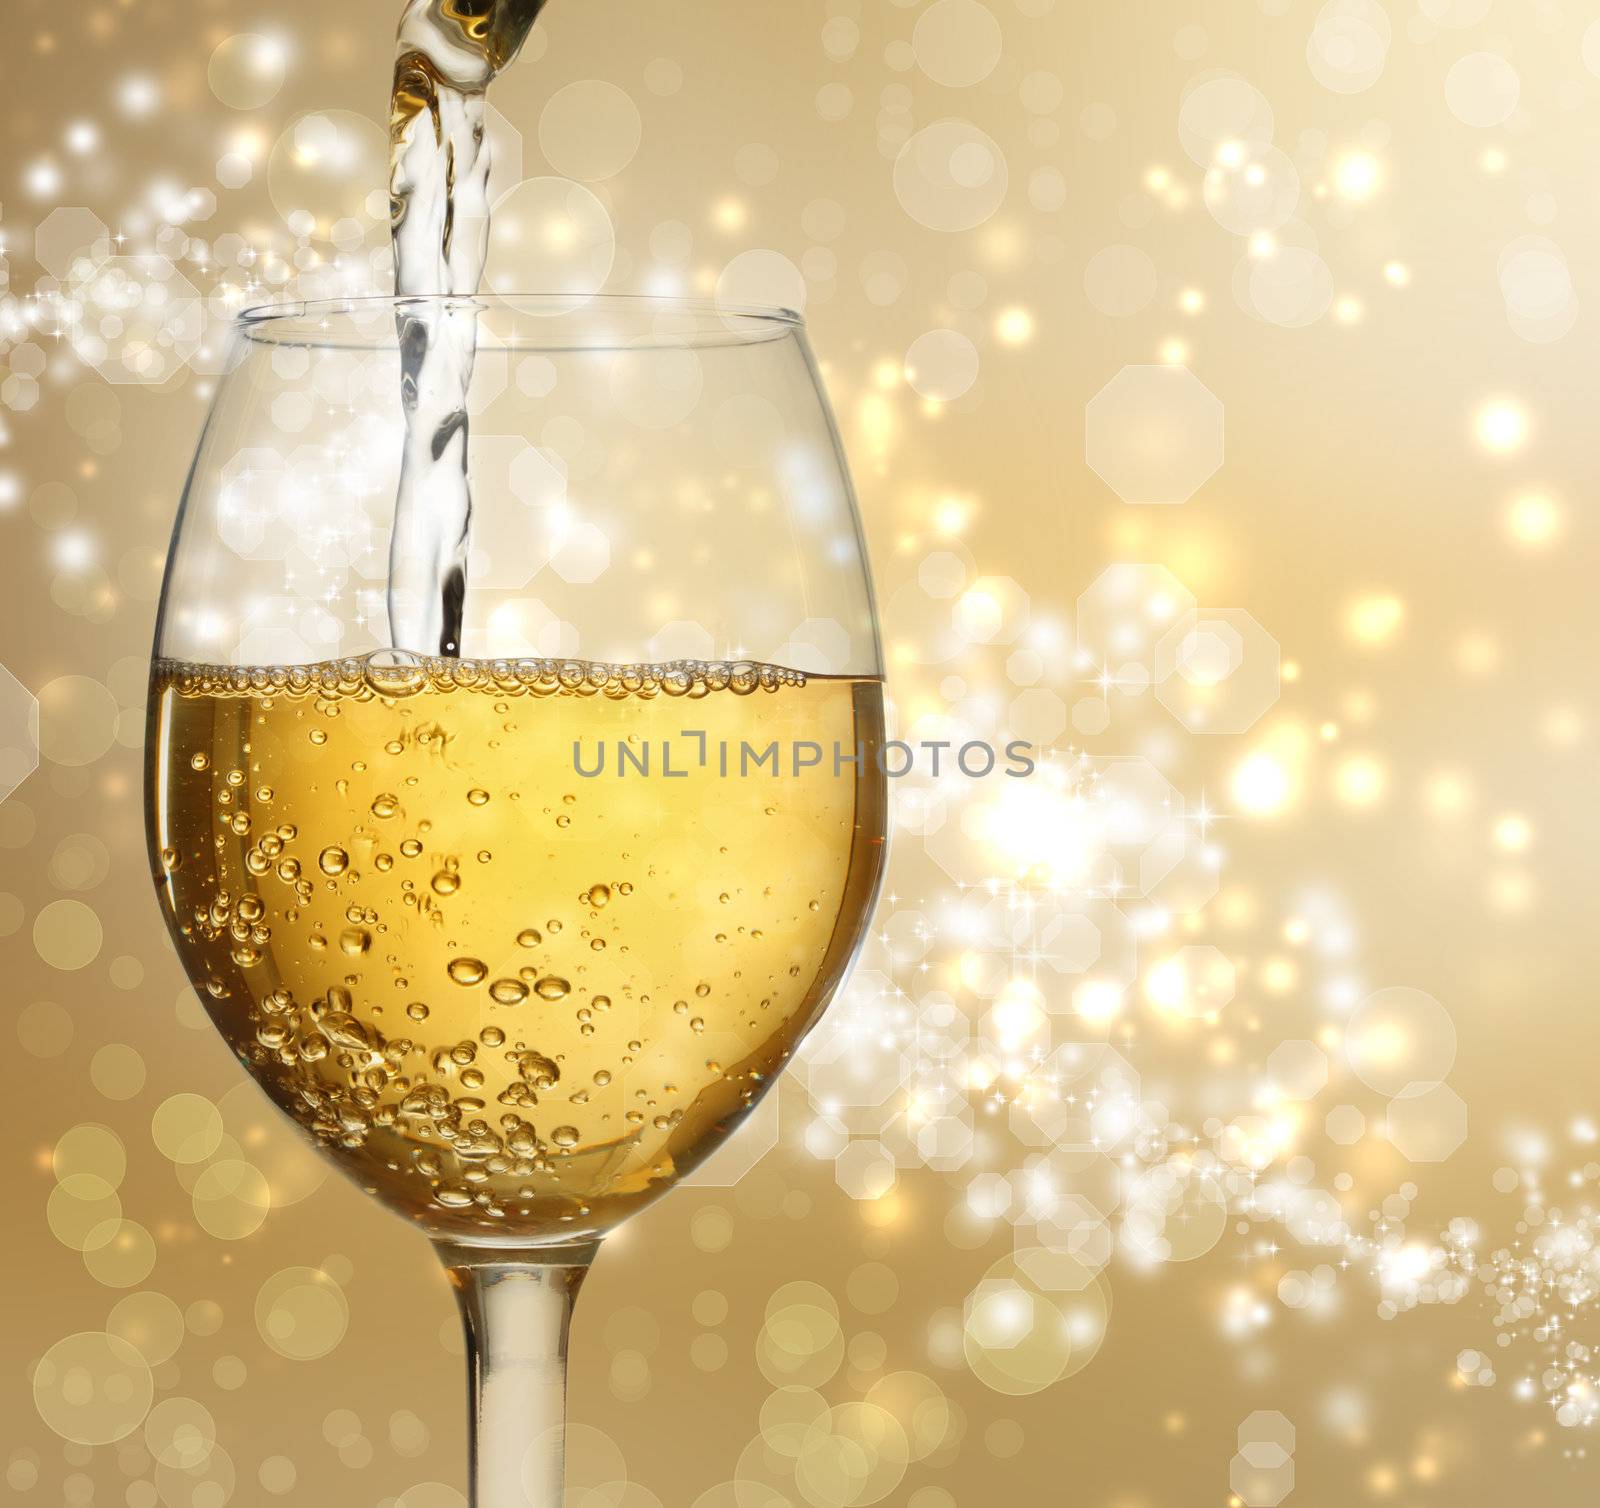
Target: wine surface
[512,1000]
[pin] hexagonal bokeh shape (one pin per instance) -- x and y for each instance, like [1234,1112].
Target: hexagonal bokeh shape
[538,476]
[742,1151]
[142,320]
[582,553]
[20,394]
[1428,1127]
[825,1137]
[1068,941]
[1078,1240]
[329,542]
[1312,1216]
[943,1028]
[72,239]
[1080,1076]
[1154,434]
[1264,1455]
[1143,821]
[1084,1174]
[1088,945]
[1209,652]
[284,628]
[1298,1070]
[1345,1125]
[1174,1212]
[1260,1486]
[1217,670]
[1085,1067]
[527,626]
[1044,1121]
[945,1143]
[247,505]
[510,546]
[989,1196]
[865,1170]
[818,646]
[943,574]
[1125,611]
[918,806]
[906,936]
[857,1056]
[1267,1427]
[1025,667]
[19,733]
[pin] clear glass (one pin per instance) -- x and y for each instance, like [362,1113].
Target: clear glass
[518,936]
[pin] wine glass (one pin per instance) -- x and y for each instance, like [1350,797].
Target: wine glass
[520,935]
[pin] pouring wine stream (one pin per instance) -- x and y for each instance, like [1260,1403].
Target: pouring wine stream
[450,51]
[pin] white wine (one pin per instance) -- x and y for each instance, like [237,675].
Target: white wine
[514,1000]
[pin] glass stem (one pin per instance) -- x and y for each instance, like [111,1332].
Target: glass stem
[517,1307]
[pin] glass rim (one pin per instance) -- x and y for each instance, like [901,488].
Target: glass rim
[556,321]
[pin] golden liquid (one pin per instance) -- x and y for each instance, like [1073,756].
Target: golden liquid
[512,1002]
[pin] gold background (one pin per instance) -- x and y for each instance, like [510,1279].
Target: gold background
[1408,415]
